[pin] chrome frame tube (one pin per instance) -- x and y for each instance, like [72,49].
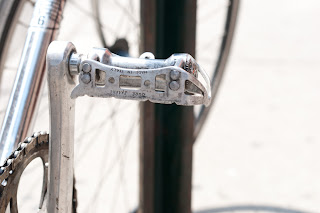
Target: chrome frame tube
[22,106]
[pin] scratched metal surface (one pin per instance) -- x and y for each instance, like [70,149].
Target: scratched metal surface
[259,148]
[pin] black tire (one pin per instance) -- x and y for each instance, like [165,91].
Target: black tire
[9,12]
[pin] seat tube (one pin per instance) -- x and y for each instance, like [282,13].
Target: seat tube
[26,92]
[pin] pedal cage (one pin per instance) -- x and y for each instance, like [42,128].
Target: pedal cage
[166,85]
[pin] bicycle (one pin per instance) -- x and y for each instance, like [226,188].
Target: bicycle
[224,52]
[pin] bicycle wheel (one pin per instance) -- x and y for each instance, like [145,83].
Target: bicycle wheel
[226,16]
[117,144]
[168,143]
[116,110]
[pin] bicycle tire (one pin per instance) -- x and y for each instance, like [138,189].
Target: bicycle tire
[217,74]
[225,47]
[7,36]
[9,12]
[166,164]
[216,77]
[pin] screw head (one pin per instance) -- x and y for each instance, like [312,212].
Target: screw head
[147,83]
[111,80]
[86,67]
[174,74]
[174,85]
[85,78]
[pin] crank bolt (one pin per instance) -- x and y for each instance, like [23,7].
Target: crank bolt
[85,78]
[174,85]
[174,74]
[86,67]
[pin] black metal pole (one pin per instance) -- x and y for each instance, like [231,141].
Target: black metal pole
[168,142]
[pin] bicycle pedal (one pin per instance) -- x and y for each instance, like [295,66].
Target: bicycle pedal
[174,80]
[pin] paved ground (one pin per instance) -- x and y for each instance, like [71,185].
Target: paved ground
[260,144]
[259,148]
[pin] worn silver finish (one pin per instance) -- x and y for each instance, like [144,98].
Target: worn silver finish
[174,85]
[14,165]
[86,67]
[10,172]
[174,75]
[60,84]
[147,55]
[23,102]
[74,63]
[112,76]
[143,79]
[85,78]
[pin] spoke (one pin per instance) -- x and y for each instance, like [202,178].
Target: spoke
[81,9]
[108,171]
[23,24]
[10,68]
[31,2]
[127,13]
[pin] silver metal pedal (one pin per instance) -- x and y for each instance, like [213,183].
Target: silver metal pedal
[173,80]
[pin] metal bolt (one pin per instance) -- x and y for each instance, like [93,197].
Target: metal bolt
[85,78]
[86,67]
[111,80]
[174,85]
[147,83]
[174,74]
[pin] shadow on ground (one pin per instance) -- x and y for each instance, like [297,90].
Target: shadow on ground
[253,208]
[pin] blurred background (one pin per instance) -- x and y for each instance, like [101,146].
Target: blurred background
[259,149]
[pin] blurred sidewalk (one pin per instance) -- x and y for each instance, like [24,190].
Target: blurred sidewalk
[261,145]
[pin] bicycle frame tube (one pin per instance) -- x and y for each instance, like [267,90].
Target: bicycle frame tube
[22,107]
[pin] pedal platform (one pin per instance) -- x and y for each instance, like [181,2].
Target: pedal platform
[166,85]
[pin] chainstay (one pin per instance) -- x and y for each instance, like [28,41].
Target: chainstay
[10,172]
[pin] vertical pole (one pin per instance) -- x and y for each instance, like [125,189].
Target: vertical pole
[147,122]
[167,130]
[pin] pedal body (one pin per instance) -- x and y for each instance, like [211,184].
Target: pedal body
[173,80]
